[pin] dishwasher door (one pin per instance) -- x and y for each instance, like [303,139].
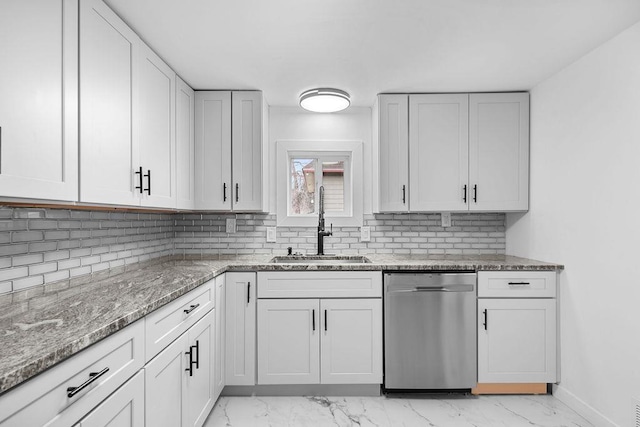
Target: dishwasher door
[430,331]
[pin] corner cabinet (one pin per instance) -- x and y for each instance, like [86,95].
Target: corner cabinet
[517,328]
[127,127]
[466,152]
[330,339]
[229,151]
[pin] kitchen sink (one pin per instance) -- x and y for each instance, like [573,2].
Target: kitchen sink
[320,259]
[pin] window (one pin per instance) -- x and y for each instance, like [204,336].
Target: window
[308,175]
[303,167]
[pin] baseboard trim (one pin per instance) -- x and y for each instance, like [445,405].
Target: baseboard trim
[585,410]
[303,390]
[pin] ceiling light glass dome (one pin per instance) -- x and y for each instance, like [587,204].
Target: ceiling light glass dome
[324,100]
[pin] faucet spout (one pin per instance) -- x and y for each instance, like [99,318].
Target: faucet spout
[321,226]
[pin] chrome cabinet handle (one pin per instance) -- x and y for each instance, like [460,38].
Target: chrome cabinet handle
[313,319]
[191,308]
[475,194]
[237,192]
[485,319]
[464,197]
[224,192]
[93,376]
[404,194]
[518,283]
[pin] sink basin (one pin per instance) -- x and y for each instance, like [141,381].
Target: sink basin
[320,259]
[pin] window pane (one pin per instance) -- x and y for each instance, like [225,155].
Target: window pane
[333,182]
[302,186]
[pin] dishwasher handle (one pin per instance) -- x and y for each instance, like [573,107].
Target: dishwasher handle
[445,288]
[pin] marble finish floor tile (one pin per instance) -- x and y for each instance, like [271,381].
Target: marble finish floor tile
[440,411]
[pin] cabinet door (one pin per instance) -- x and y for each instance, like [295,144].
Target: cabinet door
[200,380]
[499,151]
[439,147]
[165,385]
[518,343]
[156,119]
[351,341]
[213,150]
[108,98]
[246,150]
[219,374]
[185,145]
[124,408]
[394,153]
[39,101]
[288,341]
[240,334]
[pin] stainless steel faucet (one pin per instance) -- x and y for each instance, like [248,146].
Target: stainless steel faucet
[321,230]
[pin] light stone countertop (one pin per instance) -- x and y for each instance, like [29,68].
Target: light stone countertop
[45,326]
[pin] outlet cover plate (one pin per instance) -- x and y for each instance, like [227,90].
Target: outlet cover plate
[271,235]
[446,219]
[231,225]
[365,234]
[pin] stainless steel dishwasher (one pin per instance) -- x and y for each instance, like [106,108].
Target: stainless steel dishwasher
[430,331]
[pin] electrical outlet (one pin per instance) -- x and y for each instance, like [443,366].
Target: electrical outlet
[445,218]
[231,225]
[365,234]
[271,234]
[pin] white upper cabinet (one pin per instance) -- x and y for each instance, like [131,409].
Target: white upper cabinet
[213,150]
[39,101]
[185,145]
[127,110]
[109,156]
[156,133]
[499,151]
[246,150]
[438,143]
[465,152]
[229,156]
[394,153]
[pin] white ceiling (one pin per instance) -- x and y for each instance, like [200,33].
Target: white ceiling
[365,47]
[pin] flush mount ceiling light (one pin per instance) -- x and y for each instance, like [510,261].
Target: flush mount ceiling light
[324,100]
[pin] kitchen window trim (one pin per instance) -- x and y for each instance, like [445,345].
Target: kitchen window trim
[314,149]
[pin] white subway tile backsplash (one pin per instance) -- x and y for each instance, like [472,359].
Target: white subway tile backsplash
[48,245]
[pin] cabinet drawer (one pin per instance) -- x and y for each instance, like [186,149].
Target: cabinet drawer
[169,322]
[44,400]
[319,284]
[517,284]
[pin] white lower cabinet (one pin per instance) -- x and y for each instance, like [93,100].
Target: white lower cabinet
[517,328]
[240,328]
[351,344]
[218,358]
[320,341]
[288,341]
[179,380]
[124,408]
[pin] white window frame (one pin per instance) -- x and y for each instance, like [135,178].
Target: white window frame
[323,150]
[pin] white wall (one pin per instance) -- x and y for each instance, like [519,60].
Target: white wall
[585,214]
[294,123]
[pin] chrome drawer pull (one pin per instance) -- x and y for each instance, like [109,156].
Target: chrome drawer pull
[191,308]
[519,283]
[72,391]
